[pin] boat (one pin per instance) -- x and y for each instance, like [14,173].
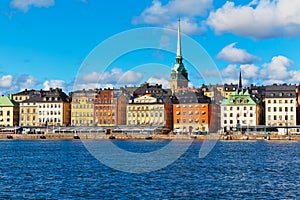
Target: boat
[267,137]
[76,137]
[112,137]
[42,137]
[10,137]
[148,138]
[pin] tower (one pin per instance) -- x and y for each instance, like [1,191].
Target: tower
[179,75]
[240,80]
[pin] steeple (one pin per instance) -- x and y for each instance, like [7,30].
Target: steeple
[179,53]
[240,80]
[179,76]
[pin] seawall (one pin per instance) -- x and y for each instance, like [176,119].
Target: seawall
[120,136]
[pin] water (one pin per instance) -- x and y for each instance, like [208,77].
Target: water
[233,170]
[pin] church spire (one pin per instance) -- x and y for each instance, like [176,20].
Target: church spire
[179,53]
[240,80]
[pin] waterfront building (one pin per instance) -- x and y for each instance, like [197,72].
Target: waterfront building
[191,112]
[179,75]
[29,111]
[45,108]
[148,110]
[9,112]
[240,110]
[82,107]
[280,105]
[54,108]
[105,108]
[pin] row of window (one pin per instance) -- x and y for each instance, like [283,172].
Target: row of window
[280,109]
[138,122]
[83,100]
[191,106]
[280,101]
[105,107]
[7,113]
[191,113]
[7,120]
[145,108]
[82,114]
[84,106]
[105,114]
[41,120]
[238,108]
[235,122]
[238,114]
[156,114]
[280,117]
[50,106]
[49,112]
[203,121]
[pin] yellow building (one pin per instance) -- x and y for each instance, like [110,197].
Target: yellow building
[9,112]
[146,110]
[82,108]
[29,113]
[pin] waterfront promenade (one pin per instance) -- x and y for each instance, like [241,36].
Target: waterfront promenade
[137,136]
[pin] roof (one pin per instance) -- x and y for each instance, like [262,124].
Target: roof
[240,97]
[5,101]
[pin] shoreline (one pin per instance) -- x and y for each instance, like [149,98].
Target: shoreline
[95,136]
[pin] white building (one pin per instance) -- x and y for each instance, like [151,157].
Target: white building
[239,110]
[281,105]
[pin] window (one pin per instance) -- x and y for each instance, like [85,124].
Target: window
[286,109]
[225,114]
[274,109]
[177,121]
[274,101]
[231,115]
[203,121]
[275,117]
[269,101]
[269,109]
[8,113]
[292,109]
[280,109]
[225,121]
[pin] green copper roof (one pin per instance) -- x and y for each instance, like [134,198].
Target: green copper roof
[241,97]
[5,101]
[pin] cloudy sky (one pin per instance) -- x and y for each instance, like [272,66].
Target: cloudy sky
[45,43]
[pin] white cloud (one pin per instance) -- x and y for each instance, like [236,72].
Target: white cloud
[235,55]
[24,5]
[114,77]
[260,19]
[54,84]
[189,10]
[156,80]
[27,81]
[278,70]
[6,81]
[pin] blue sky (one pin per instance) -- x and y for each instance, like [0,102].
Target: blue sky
[44,43]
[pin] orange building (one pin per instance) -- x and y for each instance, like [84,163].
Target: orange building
[191,112]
